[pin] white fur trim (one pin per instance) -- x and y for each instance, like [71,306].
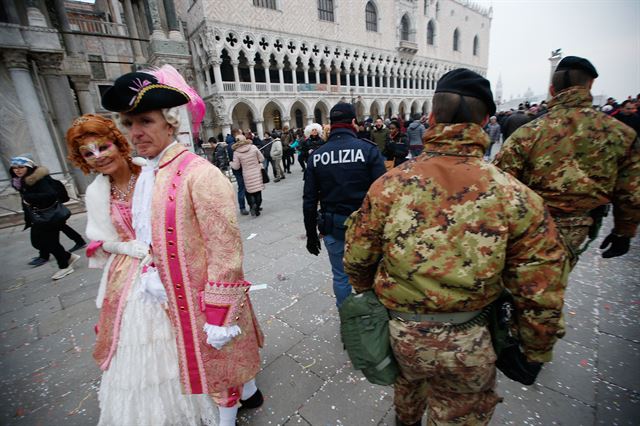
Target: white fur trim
[98,202]
[307,130]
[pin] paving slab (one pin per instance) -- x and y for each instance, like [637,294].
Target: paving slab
[618,361]
[617,406]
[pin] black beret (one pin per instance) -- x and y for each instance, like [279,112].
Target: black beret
[577,63]
[465,82]
[342,112]
[137,92]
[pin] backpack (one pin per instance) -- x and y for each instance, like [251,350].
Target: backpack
[61,191]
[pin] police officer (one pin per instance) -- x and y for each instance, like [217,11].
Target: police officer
[338,176]
[578,160]
[438,239]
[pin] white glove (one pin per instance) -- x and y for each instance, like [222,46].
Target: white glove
[133,248]
[151,286]
[220,336]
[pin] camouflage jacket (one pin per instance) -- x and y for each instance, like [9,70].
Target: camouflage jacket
[446,232]
[577,159]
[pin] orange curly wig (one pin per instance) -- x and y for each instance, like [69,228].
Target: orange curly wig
[95,126]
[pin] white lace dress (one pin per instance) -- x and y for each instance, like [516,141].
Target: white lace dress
[142,385]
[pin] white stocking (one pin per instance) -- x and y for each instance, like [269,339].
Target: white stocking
[248,389]
[228,416]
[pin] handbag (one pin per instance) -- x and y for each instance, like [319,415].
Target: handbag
[265,176]
[364,327]
[56,213]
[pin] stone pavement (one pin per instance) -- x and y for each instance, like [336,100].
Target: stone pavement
[48,376]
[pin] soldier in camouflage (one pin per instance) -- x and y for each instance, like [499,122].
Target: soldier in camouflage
[578,160]
[438,239]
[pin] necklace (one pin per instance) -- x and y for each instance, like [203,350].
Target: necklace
[120,195]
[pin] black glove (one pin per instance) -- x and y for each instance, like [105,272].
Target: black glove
[514,364]
[616,245]
[313,245]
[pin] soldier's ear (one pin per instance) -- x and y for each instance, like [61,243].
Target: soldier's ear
[552,90]
[485,120]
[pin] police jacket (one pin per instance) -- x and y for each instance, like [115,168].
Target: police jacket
[338,175]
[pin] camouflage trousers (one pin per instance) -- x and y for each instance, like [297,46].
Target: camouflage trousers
[452,370]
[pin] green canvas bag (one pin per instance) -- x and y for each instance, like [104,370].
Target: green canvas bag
[364,327]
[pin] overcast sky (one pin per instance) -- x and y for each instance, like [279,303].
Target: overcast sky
[524,32]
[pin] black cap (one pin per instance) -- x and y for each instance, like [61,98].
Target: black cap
[577,63]
[137,92]
[342,112]
[465,82]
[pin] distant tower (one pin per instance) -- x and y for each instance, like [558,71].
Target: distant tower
[499,90]
[556,56]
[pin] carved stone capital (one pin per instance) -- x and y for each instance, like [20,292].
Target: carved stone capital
[50,63]
[15,58]
[81,82]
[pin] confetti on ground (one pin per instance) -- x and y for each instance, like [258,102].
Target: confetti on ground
[584,363]
[281,277]
[252,236]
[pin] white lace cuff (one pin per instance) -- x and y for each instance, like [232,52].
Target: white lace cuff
[220,336]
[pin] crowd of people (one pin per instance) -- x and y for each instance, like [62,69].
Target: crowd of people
[412,211]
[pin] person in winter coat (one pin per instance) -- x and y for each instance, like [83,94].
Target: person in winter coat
[276,156]
[39,190]
[397,146]
[220,156]
[249,159]
[414,135]
[379,134]
[493,129]
[313,140]
[266,152]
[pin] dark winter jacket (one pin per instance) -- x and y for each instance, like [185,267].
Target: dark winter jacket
[414,134]
[38,190]
[396,149]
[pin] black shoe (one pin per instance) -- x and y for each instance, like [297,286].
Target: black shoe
[254,401]
[37,261]
[78,246]
[289,171]
[254,211]
[244,212]
[399,423]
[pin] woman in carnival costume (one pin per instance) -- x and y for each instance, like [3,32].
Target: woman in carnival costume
[135,343]
[185,209]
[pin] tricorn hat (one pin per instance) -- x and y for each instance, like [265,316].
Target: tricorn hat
[137,92]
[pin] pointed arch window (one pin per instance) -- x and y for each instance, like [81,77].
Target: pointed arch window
[371,17]
[431,33]
[405,28]
[476,46]
[456,40]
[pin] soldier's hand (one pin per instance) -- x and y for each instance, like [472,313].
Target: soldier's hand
[313,245]
[615,245]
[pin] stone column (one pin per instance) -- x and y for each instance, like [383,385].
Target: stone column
[154,17]
[217,75]
[328,77]
[40,141]
[260,129]
[63,107]
[252,74]
[133,32]
[285,122]
[172,20]
[310,119]
[12,13]
[365,74]
[267,74]
[226,129]
[70,42]
[348,78]
[317,75]
[236,74]
[306,74]
[35,17]
[281,76]
[294,79]
[81,84]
